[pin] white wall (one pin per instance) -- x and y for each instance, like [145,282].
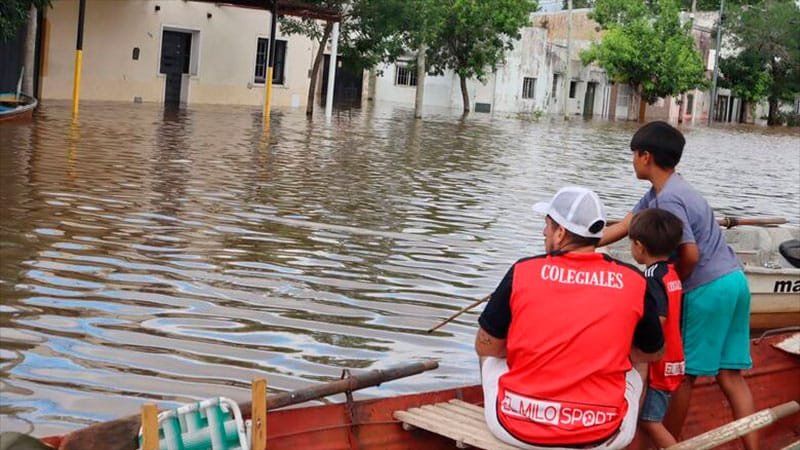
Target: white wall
[225,52]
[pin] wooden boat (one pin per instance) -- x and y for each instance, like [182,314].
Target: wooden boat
[370,424]
[17,108]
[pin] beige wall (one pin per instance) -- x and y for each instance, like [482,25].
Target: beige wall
[224,52]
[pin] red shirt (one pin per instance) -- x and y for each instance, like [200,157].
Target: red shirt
[572,323]
[667,373]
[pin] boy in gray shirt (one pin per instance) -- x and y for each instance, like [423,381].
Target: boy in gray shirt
[716,318]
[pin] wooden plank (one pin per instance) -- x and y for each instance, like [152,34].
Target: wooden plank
[462,414]
[440,421]
[258,439]
[465,405]
[149,427]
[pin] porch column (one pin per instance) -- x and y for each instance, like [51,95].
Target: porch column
[332,70]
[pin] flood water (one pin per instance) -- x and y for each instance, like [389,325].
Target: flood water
[171,256]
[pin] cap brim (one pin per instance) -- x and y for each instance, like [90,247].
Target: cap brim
[541,207]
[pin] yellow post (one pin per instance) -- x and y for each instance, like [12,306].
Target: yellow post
[149,427]
[259,415]
[267,95]
[76,82]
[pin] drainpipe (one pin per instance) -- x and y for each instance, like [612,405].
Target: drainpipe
[332,70]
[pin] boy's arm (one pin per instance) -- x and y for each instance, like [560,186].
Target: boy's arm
[617,231]
[688,256]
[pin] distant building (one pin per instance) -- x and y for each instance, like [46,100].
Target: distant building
[171,51]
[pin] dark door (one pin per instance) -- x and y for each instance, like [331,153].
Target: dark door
[176,50]
[588,99]
[346,87]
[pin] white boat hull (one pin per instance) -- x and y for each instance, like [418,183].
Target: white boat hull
[775,298]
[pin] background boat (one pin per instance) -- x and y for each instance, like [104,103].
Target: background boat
[14,107]
[774,282]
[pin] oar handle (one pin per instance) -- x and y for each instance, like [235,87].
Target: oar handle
[730,222]
[460,312]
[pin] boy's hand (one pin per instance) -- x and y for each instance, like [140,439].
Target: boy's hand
[619,230]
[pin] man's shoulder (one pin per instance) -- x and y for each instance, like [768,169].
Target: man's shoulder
[530,259]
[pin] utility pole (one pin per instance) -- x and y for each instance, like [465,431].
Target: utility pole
[567,74]
[716,63]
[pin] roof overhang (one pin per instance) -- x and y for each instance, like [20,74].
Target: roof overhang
[285,8]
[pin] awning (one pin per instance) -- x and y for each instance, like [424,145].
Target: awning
[285,8]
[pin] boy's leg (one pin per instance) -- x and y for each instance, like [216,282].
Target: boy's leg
[736,356]
[658,434]
[679,407]
[738,394]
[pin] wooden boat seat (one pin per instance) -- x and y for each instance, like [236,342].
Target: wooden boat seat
[455,419]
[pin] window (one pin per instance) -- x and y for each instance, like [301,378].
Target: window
[554,90]
[572,87]
[404,76]
[262,53]
[528,85]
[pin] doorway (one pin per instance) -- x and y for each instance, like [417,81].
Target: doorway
[347,85]
[176,52]
[588,99]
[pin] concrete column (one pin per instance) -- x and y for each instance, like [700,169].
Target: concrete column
[332,70]
[30,53]
[420,82]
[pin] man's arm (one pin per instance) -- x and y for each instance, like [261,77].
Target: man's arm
[488,345]
[619,230]
[688,256]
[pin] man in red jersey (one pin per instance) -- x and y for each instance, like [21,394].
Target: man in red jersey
[558,334]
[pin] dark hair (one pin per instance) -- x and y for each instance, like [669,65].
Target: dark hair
[658,230]
[581,241]
[662,140]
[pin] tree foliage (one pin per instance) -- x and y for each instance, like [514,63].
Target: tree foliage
[768,63]
[474,36]
[646,46]
[14,14]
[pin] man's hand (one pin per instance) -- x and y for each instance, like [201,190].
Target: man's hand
[488,345]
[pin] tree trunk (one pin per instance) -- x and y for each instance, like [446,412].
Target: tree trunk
[464,93]
[312,86]
[420,94]
[772,117]
[29,52]
[642,108]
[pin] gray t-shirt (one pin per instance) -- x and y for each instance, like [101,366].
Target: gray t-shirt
[699,227]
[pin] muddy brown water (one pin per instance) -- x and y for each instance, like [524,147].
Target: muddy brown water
[175,255]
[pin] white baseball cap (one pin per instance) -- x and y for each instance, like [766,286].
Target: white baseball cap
[577,209]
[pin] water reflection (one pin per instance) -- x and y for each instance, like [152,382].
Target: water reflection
[174,255]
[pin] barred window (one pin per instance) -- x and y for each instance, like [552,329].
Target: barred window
[528,86]
[404,76]
[262,55]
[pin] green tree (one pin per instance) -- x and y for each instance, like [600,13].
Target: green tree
[474,37]
[768,65]
[319,33]
[14,14]
[646,46]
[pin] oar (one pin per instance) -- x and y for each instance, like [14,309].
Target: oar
[730,221]
[460,312]
[122,434]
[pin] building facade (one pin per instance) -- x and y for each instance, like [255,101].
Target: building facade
[171,51]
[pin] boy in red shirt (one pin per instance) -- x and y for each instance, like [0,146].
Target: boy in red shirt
[655,235]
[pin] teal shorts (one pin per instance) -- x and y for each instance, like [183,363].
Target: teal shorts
[716,326]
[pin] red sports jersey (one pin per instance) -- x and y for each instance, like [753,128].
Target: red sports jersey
[667,373]
[568,345]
